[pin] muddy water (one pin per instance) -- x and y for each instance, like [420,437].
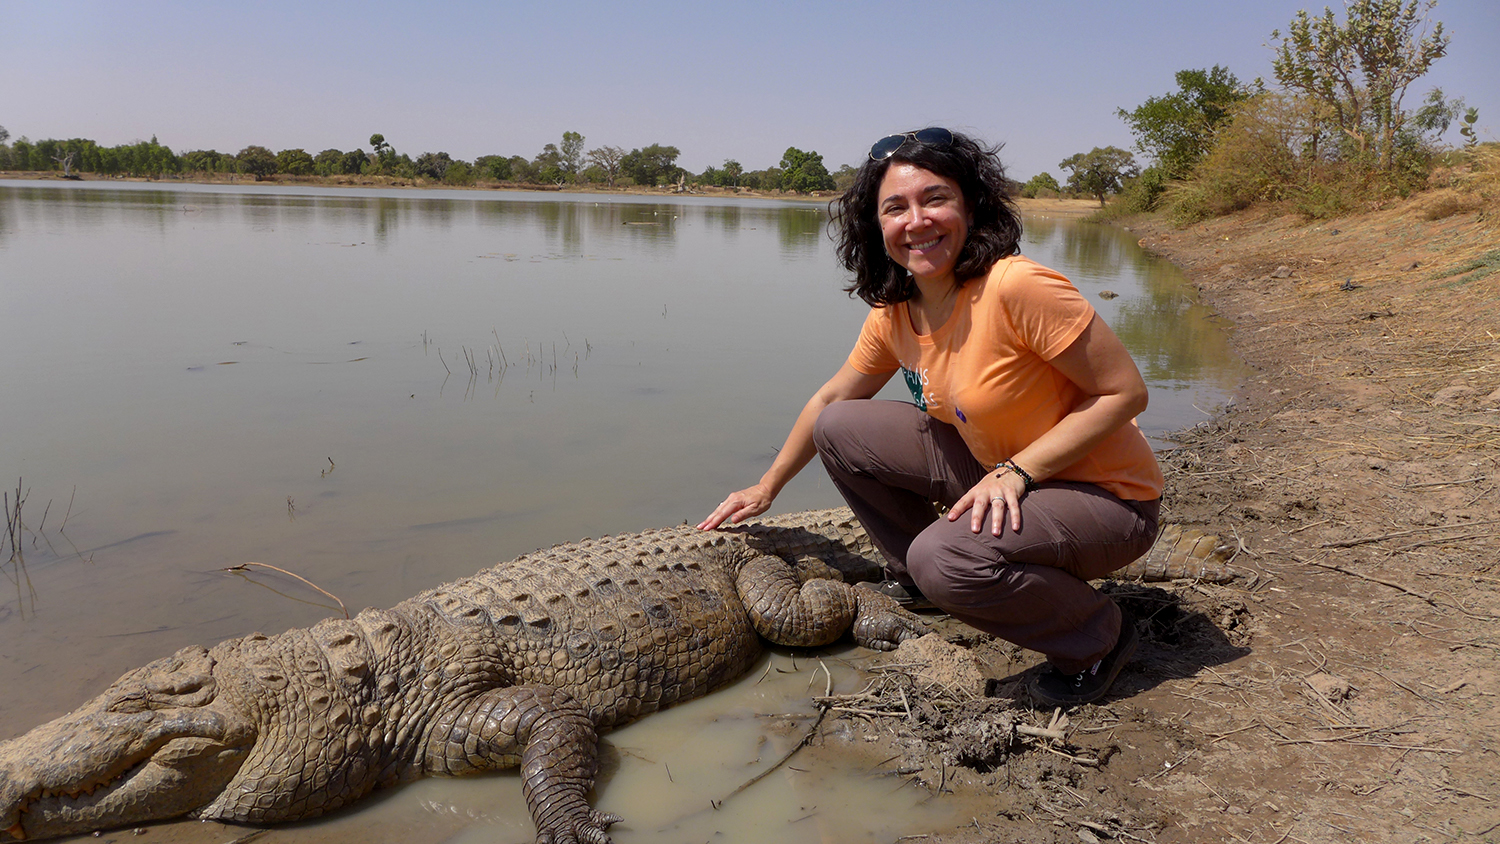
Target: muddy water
[386,391]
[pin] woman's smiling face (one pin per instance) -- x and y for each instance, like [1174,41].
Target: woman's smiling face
[924,221]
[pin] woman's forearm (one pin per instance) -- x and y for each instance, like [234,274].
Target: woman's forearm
[1078,433]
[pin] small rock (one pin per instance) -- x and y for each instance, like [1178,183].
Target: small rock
[1282,271]
[1087,837]
[1330,688]
[1409,267]
[1108,294]
[1493,397]
[1448,395]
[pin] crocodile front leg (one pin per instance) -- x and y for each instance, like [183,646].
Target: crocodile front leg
[818,612]
[547,733]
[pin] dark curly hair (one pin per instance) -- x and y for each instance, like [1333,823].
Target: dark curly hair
[995,232]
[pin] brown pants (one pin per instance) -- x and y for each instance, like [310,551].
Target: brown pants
[891,461]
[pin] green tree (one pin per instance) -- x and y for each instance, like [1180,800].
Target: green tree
[294,162]
[4,134]
[651,165]
[433,165]
[495,167]
[522,170]
[353,162]
[386,162]
[1359,71]
[1039,183]
[804,172]
[548,165]
[20,154]
[459,173]
[732,172]
[1100,171]
[207,161]
[142,158]
[1177,130]
[257,161]
[326,163]
[571,154]
[767,179]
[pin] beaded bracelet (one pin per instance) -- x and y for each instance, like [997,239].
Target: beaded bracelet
[1025,477]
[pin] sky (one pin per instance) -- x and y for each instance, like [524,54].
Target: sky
[718,79]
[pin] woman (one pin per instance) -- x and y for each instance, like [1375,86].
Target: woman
[1022,421]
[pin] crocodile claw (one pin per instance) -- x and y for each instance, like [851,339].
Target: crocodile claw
[590,830]
[882,624]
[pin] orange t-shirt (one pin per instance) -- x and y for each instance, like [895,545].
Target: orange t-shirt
[986,372]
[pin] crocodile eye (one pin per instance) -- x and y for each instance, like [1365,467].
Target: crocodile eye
[130,704]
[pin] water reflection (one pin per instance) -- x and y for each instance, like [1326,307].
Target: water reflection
[1181,350]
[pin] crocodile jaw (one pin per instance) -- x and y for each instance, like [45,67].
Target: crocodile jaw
[157,744]
[175,778]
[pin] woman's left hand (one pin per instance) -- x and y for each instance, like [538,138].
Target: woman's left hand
[995,494]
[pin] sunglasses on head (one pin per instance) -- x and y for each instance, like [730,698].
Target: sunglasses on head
[887,146]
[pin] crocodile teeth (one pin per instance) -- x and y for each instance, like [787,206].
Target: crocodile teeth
[17,832]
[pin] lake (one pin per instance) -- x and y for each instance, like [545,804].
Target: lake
[386,390]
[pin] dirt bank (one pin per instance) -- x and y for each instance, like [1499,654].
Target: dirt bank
[1344,688]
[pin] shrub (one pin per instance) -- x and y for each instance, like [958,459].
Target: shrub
[1041,185]
[1144,192]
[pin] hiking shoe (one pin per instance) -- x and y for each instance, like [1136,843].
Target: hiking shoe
[909,597]
[1055,688]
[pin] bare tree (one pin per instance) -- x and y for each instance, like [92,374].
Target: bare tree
[66,160]
[607,159]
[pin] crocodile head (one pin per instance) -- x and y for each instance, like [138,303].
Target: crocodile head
[160,743]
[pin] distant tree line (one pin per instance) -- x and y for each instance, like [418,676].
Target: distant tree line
[560,164]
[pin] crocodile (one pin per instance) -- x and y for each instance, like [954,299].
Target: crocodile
[523,664]
[520,665]
[1183,553]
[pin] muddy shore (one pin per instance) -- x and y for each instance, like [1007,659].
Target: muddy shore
[1343,688]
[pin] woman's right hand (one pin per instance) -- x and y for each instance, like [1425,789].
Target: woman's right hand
[748,502]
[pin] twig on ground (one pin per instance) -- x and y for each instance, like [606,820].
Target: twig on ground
[1366,540]
[1441,540]
[1459,576]
[1040,732]
[1381,581]
[1086,761]
[808,737]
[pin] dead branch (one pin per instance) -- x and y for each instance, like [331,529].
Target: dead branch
[1381,581]
[243,566]
[1366,540]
